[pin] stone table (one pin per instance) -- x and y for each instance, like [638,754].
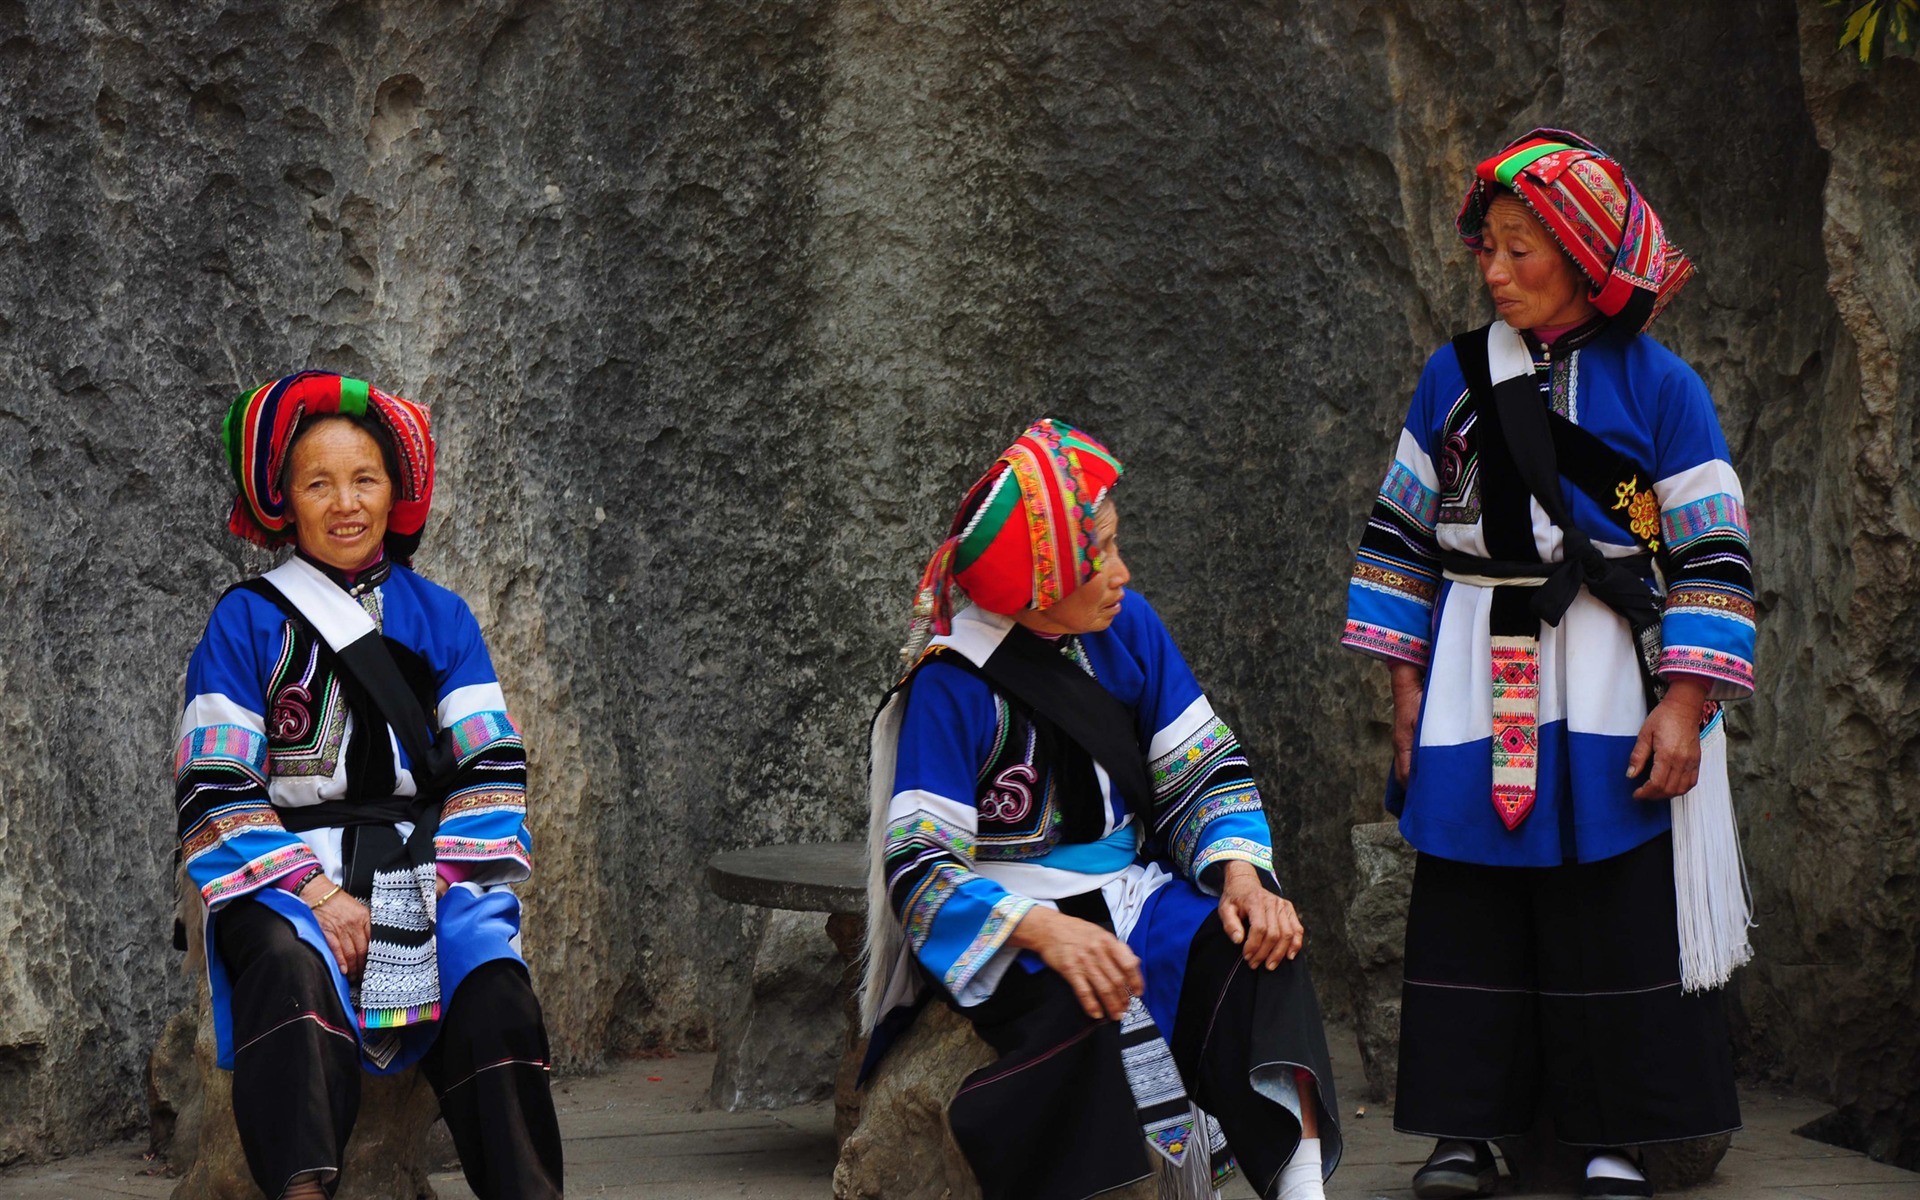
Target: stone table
[825,877]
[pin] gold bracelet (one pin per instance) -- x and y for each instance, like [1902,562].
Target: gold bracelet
[330,895]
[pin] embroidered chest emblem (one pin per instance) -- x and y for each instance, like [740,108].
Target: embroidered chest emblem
[1643,511]
[307,722]
[1009,798]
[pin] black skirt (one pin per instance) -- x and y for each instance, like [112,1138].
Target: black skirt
[1054,1119]
[1557,989]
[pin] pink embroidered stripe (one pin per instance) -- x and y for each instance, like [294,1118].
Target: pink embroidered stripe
[1389,643]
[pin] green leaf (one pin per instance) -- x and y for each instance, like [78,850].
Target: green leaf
[1857,19]
[1866,34]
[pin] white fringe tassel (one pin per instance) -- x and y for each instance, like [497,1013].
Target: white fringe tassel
[1709,873]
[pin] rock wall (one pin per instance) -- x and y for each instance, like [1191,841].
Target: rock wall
[720,306]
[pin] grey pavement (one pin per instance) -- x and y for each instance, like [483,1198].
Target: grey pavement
[643,1129]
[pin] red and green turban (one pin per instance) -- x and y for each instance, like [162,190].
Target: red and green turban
[1023,537]
[260,425]
[1594,212]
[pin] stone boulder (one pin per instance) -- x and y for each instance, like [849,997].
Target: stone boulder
[902,1149]
[1376,928]
[783,1046]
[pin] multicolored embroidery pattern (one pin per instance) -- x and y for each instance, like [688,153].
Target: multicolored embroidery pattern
[926,829]
[1689,522]
[1403,491]
[1516,733]
[993,934]
[1711,601]
[1459,465]
[257,874]
[1642,509]
[1199,781]
[1390,643]
[471,734]
[1395,579]
[1702,660]
[307,713]
[1234,850]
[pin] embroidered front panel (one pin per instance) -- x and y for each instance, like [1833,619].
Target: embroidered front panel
[1459,466]
[307,713]
[1036,791]
[1516,733]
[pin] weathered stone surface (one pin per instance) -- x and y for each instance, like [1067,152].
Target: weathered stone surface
[1540,1162]
[1376,928]
[721,306]
[784,1042]
[828,877]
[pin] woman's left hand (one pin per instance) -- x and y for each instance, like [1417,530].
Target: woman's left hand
[1263,925]
[440,886]
[1671,739]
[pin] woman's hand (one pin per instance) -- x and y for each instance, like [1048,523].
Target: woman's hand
[1099,968]
[1263,925]
[1671,738]
[1409,689]
[344,920]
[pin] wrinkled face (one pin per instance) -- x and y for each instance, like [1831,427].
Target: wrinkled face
[1093,605]
[338,488]
[1531,281]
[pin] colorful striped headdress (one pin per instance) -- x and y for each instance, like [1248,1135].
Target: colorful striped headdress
[1594,212]
[1023,537]
[260,425]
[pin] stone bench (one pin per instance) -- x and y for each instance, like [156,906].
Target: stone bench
[396,1142]
[894,1141]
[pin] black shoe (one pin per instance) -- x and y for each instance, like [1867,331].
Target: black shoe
[1451,1175]
[1611,1187]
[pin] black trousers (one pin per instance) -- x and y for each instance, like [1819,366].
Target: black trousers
[1557,989]
[1053,1118]
[297,1066]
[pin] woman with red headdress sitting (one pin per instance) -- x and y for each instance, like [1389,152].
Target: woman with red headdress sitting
[351,796]
[1068,846]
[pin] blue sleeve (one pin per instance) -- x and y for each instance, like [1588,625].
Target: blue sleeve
[483,821]
[1707,626]
[1396,571]
[1207,810]
[957,921]
[231,837]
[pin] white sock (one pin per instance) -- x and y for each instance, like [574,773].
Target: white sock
[1300,1178]
[1612,1166]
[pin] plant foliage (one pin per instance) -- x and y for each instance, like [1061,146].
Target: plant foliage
[1879,26]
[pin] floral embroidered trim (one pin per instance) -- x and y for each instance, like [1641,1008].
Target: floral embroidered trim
[993,934]
[1700,660]
[1389,643]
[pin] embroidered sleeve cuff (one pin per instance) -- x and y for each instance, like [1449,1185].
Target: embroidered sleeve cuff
[489,861]
[1209,868]
[986,944]
[1390,644]
[1730,676]
[265,871]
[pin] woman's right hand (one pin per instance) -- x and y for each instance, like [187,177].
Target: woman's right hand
[344,920]
[1409,689]
[1102,972]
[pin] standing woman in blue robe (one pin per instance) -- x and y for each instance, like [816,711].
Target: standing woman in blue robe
[1556,574]
[1068,847]
[351,800]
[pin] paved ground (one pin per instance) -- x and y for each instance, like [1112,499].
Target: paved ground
[641,1130]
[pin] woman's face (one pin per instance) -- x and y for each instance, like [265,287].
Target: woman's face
[1093,605]
[340,493]
[1531,281]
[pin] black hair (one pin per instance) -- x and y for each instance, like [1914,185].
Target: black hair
[373,428]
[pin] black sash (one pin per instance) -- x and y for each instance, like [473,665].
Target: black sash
[1532,437]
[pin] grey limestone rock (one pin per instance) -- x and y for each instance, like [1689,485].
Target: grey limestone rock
[1376,928]
[720,306]
[784,1041]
